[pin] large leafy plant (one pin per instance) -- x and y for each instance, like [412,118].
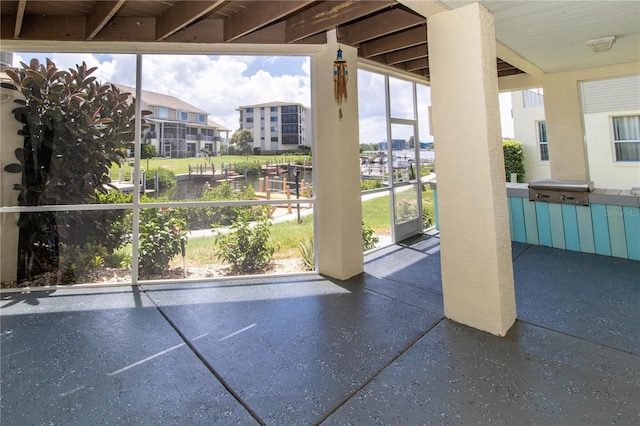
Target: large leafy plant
[74,129]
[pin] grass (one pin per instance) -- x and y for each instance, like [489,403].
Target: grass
[288,235]
[181,165]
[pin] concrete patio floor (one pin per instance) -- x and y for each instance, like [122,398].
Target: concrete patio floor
[302,351]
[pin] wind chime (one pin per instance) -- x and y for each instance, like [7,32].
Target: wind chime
[340,78]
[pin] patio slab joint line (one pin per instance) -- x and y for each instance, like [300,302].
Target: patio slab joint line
[384,367]
[202,359]
[593,342]
[400,300]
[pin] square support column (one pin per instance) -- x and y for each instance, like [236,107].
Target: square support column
[477,273]
[336,182]
[563,114]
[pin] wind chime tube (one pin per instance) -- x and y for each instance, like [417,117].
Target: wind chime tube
[340,79]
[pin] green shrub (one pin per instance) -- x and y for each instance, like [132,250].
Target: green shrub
[369,239]
[406,210]
[253,169]
[147,151]
[370,184]
[246,248]
[304,149]
[205,217]
[166,179]
[76,260]
[161,237]
[427,220]
[307,254]
[513,160]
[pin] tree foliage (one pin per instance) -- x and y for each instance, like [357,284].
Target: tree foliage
[242,139]
[513,160]
[74,128]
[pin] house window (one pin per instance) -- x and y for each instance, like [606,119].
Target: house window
[274,119]
[249,119]
[163,112]
[543,144]
[626,137]
[183,116]
[202,118]
[274,128]
[274,139]
[249,110]
[274,109]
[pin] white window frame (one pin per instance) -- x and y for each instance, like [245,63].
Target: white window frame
[539,140]
[615,141]
[163,112]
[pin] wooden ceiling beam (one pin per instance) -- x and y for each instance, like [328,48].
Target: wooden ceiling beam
[418,64]
[204,31]
[328,15]
[273,34]
[50,27]
[398,41]
[379,25]
[22,5]
[181,14]
[100,15]
[260,14]
[125,28]
[404,55]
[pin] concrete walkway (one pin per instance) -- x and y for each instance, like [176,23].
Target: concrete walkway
[303,351]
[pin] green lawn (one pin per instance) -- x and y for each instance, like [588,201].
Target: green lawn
[288,235]
[181,165]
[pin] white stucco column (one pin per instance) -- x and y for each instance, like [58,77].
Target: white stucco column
[336,184]
[477,273]
[563,114]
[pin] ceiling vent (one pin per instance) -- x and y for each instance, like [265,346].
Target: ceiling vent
[601,44]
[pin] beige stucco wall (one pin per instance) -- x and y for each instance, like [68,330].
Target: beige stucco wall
[336,180]
[9,141]
[525,131]
[477,273]
[605,171]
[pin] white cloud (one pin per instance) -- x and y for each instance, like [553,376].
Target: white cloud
[220,84]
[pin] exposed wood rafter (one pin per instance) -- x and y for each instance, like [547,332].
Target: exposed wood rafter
[329,15]
[181,14]
[100,16]
[22,5]
[398,41]
[378,25]
[259,15]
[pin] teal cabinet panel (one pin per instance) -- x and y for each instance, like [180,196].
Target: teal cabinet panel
[617,236]
[557,227]
[530,221]
[517,219]
[585,229]
[544,226]
[632,230]
[600,229]
[570,224]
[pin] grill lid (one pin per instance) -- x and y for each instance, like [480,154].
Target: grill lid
[561,185]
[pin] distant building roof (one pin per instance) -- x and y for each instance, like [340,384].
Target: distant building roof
[270,104]
[218,126]
[158,99]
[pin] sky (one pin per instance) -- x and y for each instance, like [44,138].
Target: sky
[221,84]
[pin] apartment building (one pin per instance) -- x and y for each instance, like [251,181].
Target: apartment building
[277,126]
